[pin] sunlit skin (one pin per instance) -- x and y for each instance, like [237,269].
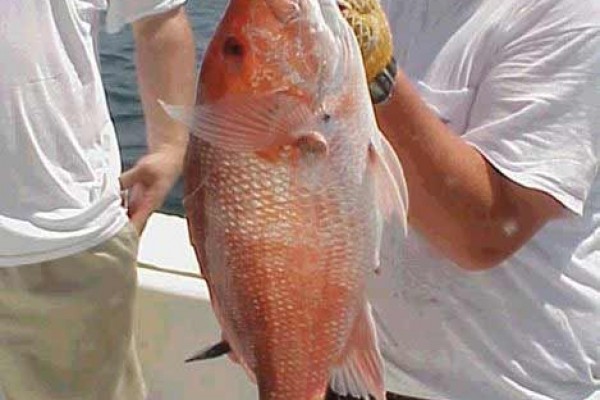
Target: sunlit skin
[287,234]
[166,65]
[459,202]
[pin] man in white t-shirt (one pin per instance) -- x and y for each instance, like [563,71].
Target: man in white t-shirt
[495,115]
[67,245]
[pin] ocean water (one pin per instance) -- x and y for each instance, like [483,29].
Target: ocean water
[118,73]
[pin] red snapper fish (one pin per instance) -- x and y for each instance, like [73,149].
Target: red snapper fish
[288,182]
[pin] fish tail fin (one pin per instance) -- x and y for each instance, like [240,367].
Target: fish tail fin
[361,372]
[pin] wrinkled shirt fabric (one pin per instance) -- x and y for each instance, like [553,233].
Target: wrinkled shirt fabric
[519,81]
[59,156]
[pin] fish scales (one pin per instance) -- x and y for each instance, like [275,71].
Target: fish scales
[285,265]
[288,181]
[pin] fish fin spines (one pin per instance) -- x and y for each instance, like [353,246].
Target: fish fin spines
[361,372]
[244,123]
[390,185]
[393,162]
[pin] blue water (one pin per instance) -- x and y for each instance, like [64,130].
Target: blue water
[118,73]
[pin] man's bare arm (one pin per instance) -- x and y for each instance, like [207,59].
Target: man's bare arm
[166,68]
[458,201]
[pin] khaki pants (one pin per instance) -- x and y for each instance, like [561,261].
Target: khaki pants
[66,326]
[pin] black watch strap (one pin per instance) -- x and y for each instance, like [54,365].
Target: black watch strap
[382,85]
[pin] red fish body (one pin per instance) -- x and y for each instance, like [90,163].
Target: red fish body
[287,181]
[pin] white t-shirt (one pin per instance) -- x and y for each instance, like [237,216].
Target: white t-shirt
[59,159]
[520,81]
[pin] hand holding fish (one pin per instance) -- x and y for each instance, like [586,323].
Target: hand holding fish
[164,43]
[370,25]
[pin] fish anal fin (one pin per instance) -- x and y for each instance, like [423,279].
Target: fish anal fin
[219,349]
[213,351]
[361,371]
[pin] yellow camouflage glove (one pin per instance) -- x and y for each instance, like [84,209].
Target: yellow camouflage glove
[372,31]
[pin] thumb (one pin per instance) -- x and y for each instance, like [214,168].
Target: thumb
[139,215]
[129,178]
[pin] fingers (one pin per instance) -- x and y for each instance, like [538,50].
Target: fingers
[140,217]
[142,203]
[129,178]
[139,203]
[148,183]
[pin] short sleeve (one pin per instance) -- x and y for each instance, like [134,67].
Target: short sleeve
[536,113]
[122,12]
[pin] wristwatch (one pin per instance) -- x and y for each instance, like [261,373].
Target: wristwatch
[382,85]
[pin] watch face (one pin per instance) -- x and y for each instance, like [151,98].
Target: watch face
[381,87]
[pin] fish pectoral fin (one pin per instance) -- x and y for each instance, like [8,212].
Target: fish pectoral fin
[312,143]
[361,372]
[244,123]
[390,184]
[210,352]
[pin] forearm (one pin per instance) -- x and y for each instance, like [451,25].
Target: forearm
[165,60]
[458,201]
[166,68]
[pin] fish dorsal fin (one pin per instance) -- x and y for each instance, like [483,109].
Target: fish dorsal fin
[390,184]
[244,123]
[361,372]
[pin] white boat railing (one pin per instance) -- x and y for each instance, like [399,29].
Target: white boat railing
[175,319]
